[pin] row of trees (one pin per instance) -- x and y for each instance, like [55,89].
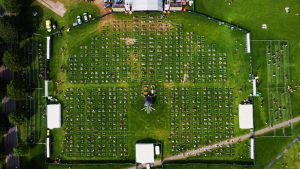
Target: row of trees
[12,57]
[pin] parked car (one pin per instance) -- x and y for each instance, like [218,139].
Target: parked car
[79,20]
[85,17]
[75,24]
[48,25]
[107,5]
[119,1]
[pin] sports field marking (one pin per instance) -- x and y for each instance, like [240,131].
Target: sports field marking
[277,80]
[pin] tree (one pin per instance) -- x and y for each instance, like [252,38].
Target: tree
[4,123]
[3,83]
[8,31]
[21,150]
[2,160]
[16,90]
[12,6]
[16,118]
[13,60]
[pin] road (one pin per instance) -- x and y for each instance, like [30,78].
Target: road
[191,153]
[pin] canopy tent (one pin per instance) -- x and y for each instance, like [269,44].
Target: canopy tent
[48,147]
[46,88]
[252,148]
[144,153]
[246,116]
[254,87]
[248,42]
[53,116]
[48,46]
[147,5]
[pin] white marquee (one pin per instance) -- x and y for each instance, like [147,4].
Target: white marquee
[246,116]
[53,116]
[144,153]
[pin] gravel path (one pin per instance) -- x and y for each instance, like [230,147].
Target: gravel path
[56,7]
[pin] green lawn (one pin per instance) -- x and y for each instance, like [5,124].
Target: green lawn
[281,26]
[290,159]
[252,14]
[156,124]
[273,70]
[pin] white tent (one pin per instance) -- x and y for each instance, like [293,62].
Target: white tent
[144,153]
[248,42]
[53,116]
[252,148]
[147,5]
[246,116]
[48,46]
[254,87]
[48,147]
[46,88]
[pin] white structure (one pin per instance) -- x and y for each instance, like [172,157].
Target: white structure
[157,150]
[246,116]
[48,46]
[167,7]
[248,42]
[48,147]
[254,87]
[144,153]
[264,26]
[287,9]
[252,148]
[46,88]
[127,7]
[146,5]
[53,116]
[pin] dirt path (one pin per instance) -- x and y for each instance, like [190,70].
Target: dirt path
[234,140]
[105,20]
[100,5]
[57,7]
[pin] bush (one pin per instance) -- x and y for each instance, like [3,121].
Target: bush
[16,90]
[13,60]
[3,83]
[21,150]
[8,32]
[12,6]
[16,118]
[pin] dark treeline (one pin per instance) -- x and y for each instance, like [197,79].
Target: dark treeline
[16,25]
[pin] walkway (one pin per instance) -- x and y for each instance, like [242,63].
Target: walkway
[56,7]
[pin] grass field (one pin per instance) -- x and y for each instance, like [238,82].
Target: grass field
[35,127]
[274,78]
[115,65]
[290,159]
[279,23]
[241,13]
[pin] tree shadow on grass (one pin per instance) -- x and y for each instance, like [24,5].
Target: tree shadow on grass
[30,19]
